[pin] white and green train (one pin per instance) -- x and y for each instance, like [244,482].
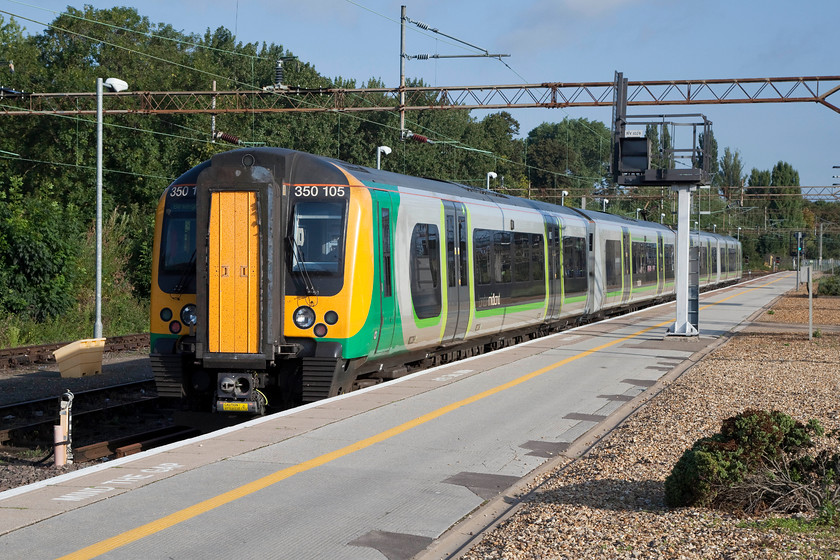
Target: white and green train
[284,276]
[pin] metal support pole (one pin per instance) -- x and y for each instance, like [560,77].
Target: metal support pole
[402,72]
[97,327]
[682,326]
[810,304]
[213,116]
[819,262]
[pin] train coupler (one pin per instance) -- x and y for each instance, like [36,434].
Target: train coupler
[238,392]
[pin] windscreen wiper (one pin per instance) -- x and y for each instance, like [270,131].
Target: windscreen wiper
[181,286]
[310,287]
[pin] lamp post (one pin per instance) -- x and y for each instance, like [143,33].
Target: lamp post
[637,212]
[114,84]
[662,218]
[604,203]
[714,228]
[563,195]
[379,151]
[490,175]
[739,234]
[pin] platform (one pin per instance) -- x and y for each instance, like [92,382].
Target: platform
[379,473]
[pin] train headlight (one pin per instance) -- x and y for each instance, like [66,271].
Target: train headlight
[188,315]
[304,317]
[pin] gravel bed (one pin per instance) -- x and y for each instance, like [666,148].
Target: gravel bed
[610,502]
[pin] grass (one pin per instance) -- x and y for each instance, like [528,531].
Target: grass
[794,525]
[804,537]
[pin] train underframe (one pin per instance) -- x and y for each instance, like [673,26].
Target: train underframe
[292,380]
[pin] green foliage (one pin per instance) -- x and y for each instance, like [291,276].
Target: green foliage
[731,174]
[745,444]
[38,245]
[572,154]
[122,311]
[829,286]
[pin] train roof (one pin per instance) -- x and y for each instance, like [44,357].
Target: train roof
[304,167]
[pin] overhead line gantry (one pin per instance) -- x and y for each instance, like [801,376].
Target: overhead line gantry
[548,95]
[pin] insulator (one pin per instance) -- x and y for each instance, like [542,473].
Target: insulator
[422,57]
[419,138]
[227,137]
[425,26]
[278,74]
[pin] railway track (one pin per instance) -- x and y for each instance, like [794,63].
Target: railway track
[96,414]
[43,353]
[107,423]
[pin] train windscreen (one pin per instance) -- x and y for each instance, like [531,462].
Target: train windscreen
[316,240]
[176,268]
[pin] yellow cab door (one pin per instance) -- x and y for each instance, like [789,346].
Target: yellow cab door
[234,274]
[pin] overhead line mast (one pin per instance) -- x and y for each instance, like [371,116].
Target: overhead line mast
[406,134]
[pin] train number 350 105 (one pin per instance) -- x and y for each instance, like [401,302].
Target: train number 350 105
[314,190]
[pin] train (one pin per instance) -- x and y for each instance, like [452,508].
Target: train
[281,277]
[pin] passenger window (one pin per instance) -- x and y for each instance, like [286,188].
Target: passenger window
[424,271]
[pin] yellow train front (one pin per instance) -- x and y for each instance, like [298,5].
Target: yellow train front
[256,294]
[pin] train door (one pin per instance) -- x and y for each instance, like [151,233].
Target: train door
[555,266]
[233,239]
[457,272]
[384,220]
[596,280]
[660,264]
[626,265]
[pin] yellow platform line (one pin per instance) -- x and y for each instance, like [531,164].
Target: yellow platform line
[188,513]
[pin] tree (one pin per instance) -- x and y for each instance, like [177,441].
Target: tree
[572,154]
[786,203]
[661,146]
[731,175]
[709,147]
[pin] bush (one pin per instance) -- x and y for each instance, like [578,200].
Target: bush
[829,286]
[746,444]
[38,248]
[122,311]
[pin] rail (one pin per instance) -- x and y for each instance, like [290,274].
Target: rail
[43,353]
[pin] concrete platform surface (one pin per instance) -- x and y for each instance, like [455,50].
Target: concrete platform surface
[379,473]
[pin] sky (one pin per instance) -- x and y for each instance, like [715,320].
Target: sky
[556,41]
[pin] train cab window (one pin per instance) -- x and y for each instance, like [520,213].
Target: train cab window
[316,247]
[176,267]
[424,271]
